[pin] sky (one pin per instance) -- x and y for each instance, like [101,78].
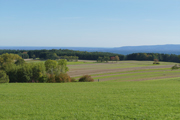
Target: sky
[89,23]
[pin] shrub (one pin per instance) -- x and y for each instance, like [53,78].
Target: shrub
[62,77]
[156,61]
[43,79]
[51,78]
[3,77]
[175,67]
[86,78]
[73,80]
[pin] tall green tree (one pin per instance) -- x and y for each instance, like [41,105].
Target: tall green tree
[38,72]
[8,58]
[51,66]
[11,71]
[24,73]
[100,59]
[63,65]
[106,58]
[3,77]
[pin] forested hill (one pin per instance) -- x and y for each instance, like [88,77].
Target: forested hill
[165,49]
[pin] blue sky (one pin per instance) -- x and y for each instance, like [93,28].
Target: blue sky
[89,23]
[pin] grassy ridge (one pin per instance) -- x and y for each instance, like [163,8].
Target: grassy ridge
[104,100]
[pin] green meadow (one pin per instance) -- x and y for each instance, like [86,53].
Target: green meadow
[135,94]
[156,99]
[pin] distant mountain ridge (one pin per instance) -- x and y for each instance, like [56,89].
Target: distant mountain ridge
[166,49]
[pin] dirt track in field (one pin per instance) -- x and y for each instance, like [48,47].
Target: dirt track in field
[92,69]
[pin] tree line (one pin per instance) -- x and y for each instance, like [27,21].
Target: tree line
[153,56]
[54,53]
[100,56]
[14,69]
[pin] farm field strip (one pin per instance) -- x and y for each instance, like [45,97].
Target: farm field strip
[125,71]
[80,62]
[78,73]
[135,71]
[129,74]
[139,78]
[106,66]
[141,74]
[157,78]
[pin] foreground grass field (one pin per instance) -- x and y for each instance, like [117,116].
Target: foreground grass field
[151,100]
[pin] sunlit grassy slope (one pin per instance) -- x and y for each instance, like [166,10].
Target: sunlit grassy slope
[156,99]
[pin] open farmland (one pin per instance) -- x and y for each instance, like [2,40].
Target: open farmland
[127,90]
[120,71]
[125,71]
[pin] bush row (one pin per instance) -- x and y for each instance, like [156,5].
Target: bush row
[14,69]
[36,72]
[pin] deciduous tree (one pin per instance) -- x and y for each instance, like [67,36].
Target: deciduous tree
[63,65]
[3,77]
[8,58]
[51,66]
[106,58]
[116,58]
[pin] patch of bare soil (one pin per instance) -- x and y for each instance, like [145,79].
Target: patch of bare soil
[27,59]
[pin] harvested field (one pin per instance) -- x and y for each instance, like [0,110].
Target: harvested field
[124,71]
